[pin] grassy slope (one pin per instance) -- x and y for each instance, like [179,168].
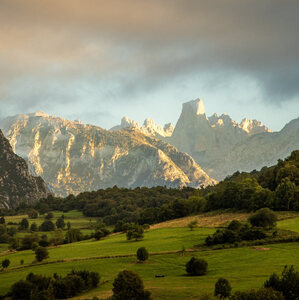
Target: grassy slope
[243,267]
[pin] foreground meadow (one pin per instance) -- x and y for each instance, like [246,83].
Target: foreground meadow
[245,268]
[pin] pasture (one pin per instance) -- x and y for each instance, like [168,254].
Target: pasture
[245,267]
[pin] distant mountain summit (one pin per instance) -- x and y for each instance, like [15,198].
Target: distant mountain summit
[219,144]
[222,146]
[16,184]
[149,127]
[73,157]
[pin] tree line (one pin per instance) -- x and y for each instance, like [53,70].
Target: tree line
[275,187]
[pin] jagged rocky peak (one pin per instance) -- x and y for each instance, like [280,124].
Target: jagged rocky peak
[149,127]
[40,113]
[253,126]
[168,129]
[194,107]
[127,123]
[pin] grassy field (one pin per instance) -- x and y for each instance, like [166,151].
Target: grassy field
[244,267]
[289,224]
[76,218]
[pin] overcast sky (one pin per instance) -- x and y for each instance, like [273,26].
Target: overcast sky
[100,60]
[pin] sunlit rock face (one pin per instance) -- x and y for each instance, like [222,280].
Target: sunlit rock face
[73,157]
[221,146]
[259,150]
[205,139]
[253,126]
[149,127]
[16,184]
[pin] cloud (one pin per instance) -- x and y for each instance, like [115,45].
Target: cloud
[58,49]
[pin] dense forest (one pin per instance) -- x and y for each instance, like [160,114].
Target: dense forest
[276,187]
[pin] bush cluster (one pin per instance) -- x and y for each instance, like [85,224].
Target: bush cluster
[235,232]
[46,288]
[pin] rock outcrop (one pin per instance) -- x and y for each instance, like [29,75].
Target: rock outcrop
[221,146]
[16,184]
[73,157]
[149,127]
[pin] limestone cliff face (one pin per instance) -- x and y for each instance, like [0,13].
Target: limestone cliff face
[221,146]
[205,139]
[259,150]
[16,184]
[73,157]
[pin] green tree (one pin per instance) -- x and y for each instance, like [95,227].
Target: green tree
[285,194]
[60,223]
[41,253]
[33,227]
[128,285]
[22,290]
[28,240]
[196,267]
[142,254]
[135,233]
[222,288]
[5,263]
[192,224]
[264,217]
[12,231]
[32,214]
[287,284]
[49,216]
[24,224]
[234,225]
[2,220]
[99,234]
[47,225]
[73,235]
[68,225]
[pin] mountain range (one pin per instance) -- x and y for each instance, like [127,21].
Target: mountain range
[73,157]
[220,145]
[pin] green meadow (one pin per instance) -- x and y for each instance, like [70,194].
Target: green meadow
[245,268]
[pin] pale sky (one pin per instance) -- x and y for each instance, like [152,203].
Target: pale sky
[98,61]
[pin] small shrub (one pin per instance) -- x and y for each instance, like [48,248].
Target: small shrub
[33,227]
[128,285]
[5,263]
[193,224]
[222,288]
[60,223]
[196,267]
[24,224]
[41,253]
[47,225]
[142,254]
[264,217]
[98,235]
[234,225]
